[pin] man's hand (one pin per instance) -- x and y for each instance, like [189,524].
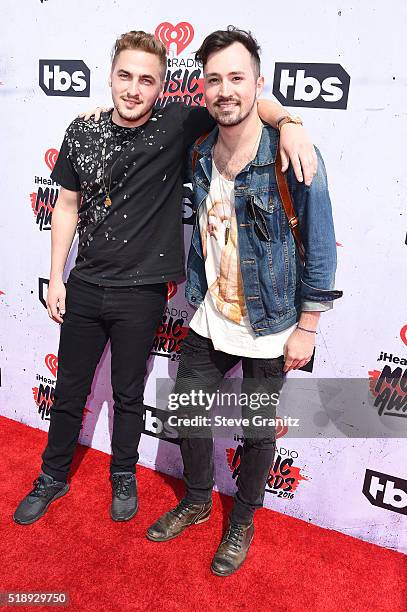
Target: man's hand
[95,113]
[56,300]
[298,350]
[295,146]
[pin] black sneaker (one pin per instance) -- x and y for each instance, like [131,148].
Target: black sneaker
[124,502]
[35,504]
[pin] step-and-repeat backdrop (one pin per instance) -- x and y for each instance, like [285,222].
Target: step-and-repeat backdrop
[341,67]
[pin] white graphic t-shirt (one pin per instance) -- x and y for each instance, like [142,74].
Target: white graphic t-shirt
[222,316]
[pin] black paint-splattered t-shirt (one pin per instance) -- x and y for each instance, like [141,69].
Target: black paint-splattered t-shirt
[138,238]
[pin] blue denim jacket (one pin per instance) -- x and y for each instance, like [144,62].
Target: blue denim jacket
[277,286]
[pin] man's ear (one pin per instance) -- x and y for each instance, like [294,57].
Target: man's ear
[162,88]
[110,80]
[259,86]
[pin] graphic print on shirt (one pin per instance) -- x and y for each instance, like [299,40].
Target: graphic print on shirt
[220,251]
[130,180]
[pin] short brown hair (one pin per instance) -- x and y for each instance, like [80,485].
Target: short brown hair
[224,38]
[137,39]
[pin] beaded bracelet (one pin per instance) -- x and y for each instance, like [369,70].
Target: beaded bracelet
[310,331]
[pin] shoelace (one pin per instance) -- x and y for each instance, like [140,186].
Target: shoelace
[182,509]
[234,534]
[40,487]
[121,484]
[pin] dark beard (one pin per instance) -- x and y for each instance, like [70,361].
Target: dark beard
[229,122]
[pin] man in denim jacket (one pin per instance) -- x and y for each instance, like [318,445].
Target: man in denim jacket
[257,302]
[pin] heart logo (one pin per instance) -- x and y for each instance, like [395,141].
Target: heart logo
[51,361]
[181,34]
[172,289]
[50,158]
[403,334]
[281,430]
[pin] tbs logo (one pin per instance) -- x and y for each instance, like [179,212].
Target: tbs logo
[386,491]
[43,284]
[314,85]
[64,78]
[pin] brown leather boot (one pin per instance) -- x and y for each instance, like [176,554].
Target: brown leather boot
[233,549]
[173,523]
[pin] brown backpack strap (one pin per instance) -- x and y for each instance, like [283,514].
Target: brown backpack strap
[195,153]
[288,205]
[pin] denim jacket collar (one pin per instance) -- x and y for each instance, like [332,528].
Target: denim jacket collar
[266,152]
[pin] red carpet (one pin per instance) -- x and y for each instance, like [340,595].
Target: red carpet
[106,566]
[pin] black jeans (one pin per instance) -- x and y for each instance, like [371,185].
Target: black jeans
[203,368]
[129,317]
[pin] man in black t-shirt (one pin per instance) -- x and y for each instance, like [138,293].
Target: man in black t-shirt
[121,188]
[136,238]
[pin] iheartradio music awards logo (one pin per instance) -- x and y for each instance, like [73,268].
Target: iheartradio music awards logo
[184,78]
[284,477]
[388,386]
[172,329]
[43,200]
[44,390]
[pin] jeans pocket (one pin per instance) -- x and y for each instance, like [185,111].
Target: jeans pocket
[193,342]
[273,368]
